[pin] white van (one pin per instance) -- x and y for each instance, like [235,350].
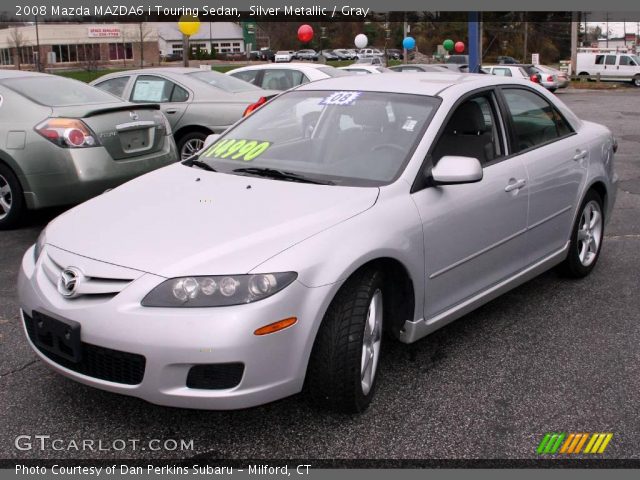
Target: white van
[622,66]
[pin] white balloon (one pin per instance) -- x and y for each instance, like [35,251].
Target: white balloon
[361,40]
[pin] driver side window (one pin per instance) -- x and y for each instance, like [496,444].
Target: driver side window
[471,131]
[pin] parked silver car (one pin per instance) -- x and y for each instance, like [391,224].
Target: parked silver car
[196,102]
[62,142]
[340,209]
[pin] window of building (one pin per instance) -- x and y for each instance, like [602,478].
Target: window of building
[121,51]
[26,55]
[5,56]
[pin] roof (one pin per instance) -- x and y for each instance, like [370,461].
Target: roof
[421,83]
[18,73]
[208,30]
[283,66]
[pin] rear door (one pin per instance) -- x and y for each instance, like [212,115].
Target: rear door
[610,66]
[556,159]
[172,98]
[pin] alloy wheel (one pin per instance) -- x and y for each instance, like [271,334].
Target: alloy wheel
[371,343]
[191,147]
[5,197]
[589,233]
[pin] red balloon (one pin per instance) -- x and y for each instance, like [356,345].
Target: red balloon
[305,33]
[459,47]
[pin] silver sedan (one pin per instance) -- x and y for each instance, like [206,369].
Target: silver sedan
[275,260]
[196,102]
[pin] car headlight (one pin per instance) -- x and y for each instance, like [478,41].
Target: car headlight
[42,239]
[217,290]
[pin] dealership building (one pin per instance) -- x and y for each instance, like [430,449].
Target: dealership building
[79,44]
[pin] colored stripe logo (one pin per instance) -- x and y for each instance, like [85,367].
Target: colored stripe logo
[573,443]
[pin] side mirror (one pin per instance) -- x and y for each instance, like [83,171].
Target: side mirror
[210,140]
[452,170]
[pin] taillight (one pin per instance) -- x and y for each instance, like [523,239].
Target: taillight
[254,106]
[534,78]
[550,78]
[67,132]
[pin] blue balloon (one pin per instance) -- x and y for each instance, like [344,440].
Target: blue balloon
[409,43]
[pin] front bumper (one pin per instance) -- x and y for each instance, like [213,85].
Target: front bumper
[83,173]
[173,340]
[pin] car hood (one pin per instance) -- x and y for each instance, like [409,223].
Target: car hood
[185,221]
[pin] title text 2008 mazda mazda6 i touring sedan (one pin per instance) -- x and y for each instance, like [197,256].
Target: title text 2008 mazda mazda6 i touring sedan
[344,208]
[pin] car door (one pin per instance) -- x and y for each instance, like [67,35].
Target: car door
[610,67]
[627,66]
[172,97]
[474,233]
[556,159]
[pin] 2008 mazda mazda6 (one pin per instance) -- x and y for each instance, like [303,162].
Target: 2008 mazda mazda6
[274,261]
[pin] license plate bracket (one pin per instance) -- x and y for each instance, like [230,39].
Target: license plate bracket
[60,337]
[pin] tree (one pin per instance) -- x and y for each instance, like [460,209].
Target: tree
[138,38]
[17,42]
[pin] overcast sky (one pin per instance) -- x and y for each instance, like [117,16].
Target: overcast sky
[616,29]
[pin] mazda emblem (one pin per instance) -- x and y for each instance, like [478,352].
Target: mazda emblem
[133,115]
[69,280]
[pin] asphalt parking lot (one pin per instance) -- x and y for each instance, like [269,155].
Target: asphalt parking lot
[552,355]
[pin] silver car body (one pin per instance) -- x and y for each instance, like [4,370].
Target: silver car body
[51,175]
[459,246]
[202,108]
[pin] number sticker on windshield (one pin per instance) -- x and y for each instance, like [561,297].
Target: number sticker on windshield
[341,98]
[246,150]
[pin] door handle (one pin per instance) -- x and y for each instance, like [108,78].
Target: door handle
[515,185]
[171,110]
[580,154]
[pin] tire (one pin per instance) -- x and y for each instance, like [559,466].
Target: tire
[12,204]
[586,238]
[187,144]
[636,81]
[343,367]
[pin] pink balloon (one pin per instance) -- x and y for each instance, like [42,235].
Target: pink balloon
[305,33]
[459,47]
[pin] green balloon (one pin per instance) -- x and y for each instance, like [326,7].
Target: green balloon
[448,45]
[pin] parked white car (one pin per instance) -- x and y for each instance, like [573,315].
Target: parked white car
[284,56]
[338,210]
[616,66]
[370,53]
[364,69]
[284,77]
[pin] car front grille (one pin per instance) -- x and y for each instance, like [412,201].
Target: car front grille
[215,376]
[97,362]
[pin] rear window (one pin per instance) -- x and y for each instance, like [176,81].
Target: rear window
[333,72]
[224,82]
[55,91]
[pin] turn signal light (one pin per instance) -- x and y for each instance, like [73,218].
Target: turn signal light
[254,106]
[276,327]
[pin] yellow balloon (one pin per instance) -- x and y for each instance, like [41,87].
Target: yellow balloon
[189,25]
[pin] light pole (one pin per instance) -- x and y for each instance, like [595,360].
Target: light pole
[37,46]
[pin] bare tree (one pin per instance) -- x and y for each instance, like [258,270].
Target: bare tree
[138,38]
[17,41]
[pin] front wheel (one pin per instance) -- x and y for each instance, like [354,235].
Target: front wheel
[343,367]
[586,238]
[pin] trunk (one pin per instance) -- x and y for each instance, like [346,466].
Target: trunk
[124,131]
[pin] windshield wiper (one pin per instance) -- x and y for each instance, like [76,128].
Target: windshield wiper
[280,175]
[199,164]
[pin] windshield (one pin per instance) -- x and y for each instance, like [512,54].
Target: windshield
[341,137]
[223,82]
[54,91]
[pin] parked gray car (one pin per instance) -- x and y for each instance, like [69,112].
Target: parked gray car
[196,102]
[63,142]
